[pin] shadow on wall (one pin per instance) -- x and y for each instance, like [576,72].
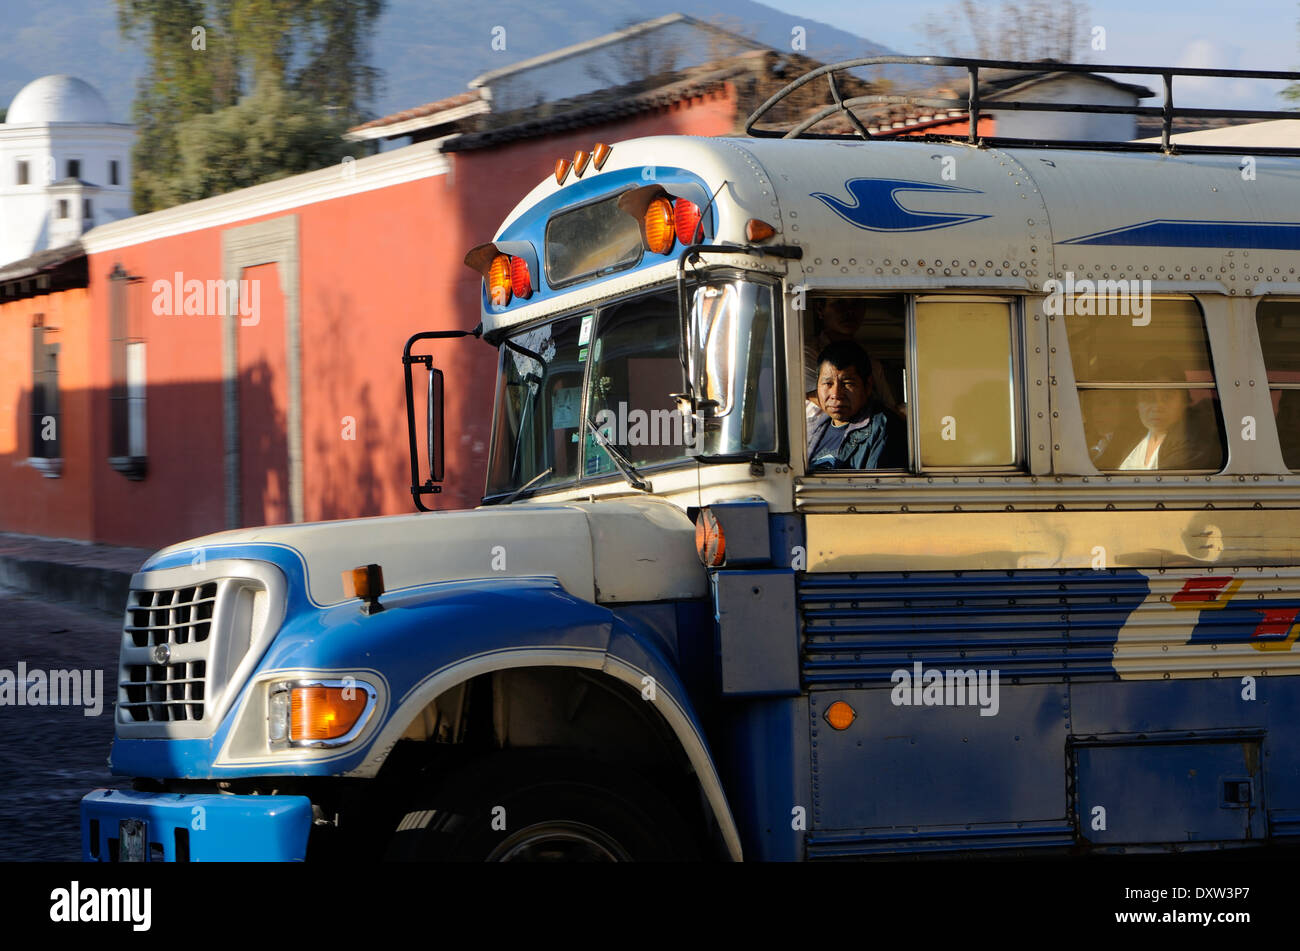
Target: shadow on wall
[183,491]
[355,439]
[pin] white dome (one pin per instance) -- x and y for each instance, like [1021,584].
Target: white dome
[58,98]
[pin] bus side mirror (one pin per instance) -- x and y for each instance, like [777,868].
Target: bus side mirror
[434,415]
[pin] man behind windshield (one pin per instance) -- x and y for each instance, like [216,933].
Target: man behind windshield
[853,429]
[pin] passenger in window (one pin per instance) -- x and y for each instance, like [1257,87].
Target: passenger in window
[845,319]
[853,429]
[1175,432]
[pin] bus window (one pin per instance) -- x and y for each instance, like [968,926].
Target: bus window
[538,407]
[965,382]
[1279,335]
[1147,391]
[874,328]
[877,324]
[635,366]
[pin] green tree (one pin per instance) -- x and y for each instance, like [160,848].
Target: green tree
[204,55]
[271,133]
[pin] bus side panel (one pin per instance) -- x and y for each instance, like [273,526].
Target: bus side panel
[1234,753]
[765,751]
[959,686]
[916,777]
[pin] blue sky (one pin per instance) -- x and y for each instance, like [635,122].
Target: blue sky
[1227,34]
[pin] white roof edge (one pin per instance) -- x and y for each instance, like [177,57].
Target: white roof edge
[606,40]
[478,107]
[407,164]
[1273,133]
[123,126]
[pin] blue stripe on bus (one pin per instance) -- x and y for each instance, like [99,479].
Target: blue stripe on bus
[1175,233]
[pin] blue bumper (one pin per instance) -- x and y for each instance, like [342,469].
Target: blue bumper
[198,828]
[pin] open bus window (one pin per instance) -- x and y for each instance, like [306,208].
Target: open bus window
[963,413]
[538,401]
[1147,391]
[870,330]
[1279,336]
[877,324]
[635,366]
[966,413]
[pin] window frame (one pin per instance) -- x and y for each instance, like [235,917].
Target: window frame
[1019,399]
[1270,386]
[609,270]
[45,381]
[1067,359]
[597,309]
[1019,404]
[121,401]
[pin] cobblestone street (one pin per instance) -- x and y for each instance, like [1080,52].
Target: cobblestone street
[50,756]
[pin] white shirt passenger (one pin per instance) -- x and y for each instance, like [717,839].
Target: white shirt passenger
[1137,459]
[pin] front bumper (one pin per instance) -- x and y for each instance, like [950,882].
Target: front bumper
[197,828]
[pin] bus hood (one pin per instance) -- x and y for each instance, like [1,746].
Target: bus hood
[621,551]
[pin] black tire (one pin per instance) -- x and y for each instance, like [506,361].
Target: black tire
[543,807]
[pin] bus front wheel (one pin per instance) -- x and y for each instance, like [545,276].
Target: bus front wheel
[538,806]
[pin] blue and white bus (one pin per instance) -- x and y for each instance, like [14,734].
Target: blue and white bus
[1063,621]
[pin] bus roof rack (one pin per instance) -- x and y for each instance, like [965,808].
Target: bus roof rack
[972,104]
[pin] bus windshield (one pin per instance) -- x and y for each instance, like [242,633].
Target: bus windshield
[570,388]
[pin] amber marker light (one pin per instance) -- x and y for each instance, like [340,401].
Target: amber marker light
[840,715]
[756,230]
[561,170]
[659,226]
[324,713]
[499,288]
[599,155]
[366,583]
[580,160]
[710,542]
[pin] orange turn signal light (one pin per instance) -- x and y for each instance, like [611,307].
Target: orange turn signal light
[561,170]
[710,542]
[580,160]
[756,230]
[659,226]
[600,154]
[499,283]
[325,713]
[840,715]
[366,583]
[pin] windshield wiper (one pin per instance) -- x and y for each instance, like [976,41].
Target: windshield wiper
[525,487]
[624,464]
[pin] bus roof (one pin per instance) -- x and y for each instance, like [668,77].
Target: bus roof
[922,215]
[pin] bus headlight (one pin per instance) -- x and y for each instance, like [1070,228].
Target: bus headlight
[318,713]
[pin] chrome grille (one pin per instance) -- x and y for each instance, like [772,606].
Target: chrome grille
[174,686]
[190,635]
[172,615]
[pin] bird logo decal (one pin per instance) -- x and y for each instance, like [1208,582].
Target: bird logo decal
[875,205]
